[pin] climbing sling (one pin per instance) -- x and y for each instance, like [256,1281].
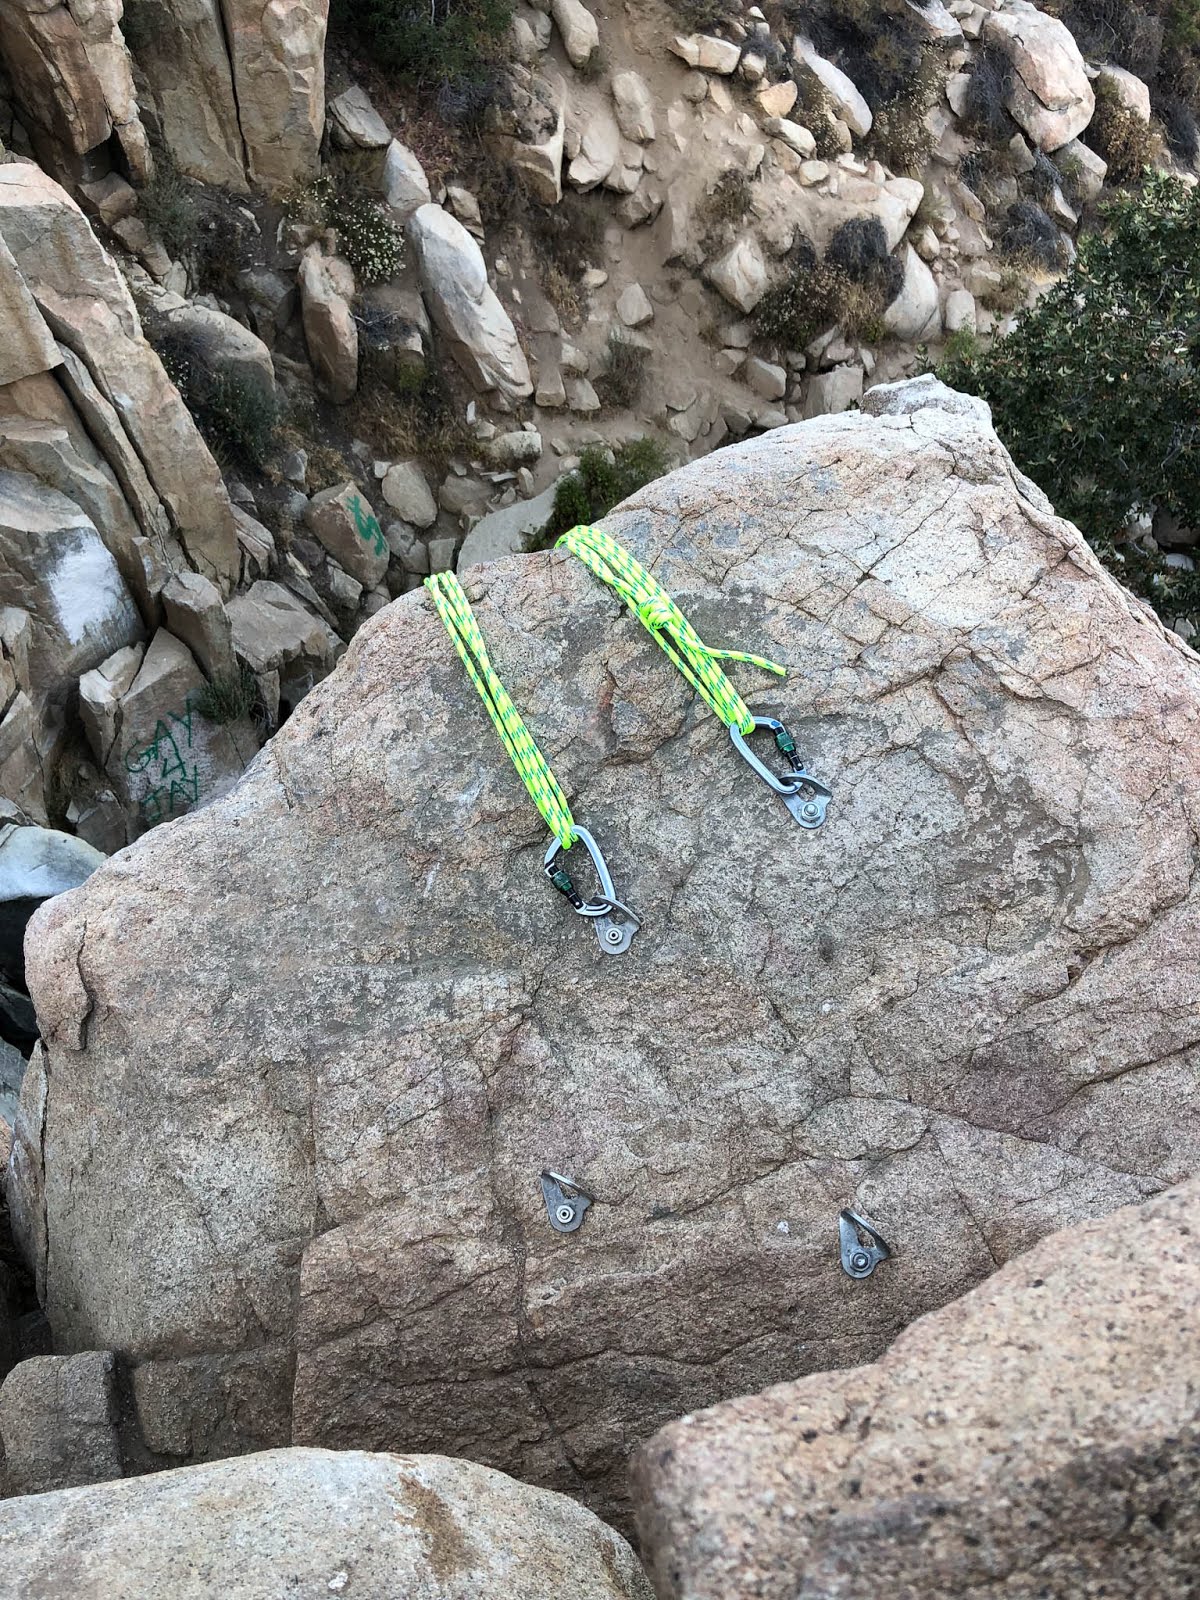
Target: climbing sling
[614,923]
[805,796]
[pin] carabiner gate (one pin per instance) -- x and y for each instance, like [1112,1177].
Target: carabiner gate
[614,922]
[806,797]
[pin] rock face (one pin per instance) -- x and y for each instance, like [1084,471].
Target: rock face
[330,1031]
[316,1522]
[114,378]
[57,1421]
[1051,95]
[239,87]
[1038,1438]
[463,304]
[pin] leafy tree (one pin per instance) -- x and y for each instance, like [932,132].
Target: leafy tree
[1096,392]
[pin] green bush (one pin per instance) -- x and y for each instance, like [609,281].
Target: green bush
[227,697]
[603,479]
[451,48]
[368,237]
[1097,390]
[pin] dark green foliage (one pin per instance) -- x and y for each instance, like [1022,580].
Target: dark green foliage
[1157,40]
[621,385]
[814,298]
[1121,31]
[985,114]
[858,247]
[700,16]
[569,235]
[1179,125]
[228,697]
[1031,235]
[600,483]
[369,238]
[452,48]
[1097,390]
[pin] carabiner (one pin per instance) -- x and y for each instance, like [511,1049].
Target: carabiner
[806,797]
[614,932]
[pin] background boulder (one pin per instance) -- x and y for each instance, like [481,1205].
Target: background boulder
[328,1031]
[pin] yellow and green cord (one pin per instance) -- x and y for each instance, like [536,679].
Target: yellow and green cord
[534,770]
[667,625]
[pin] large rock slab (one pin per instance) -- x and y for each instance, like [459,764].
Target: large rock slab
[464,306]
[181,50]
[54,564]
[277,51]
[329,1031]
[1051,94]
[53,81]
[88,307]
[1038,1438]
[314,1522]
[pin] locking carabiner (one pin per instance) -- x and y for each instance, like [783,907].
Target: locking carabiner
[614,932]
[806,797]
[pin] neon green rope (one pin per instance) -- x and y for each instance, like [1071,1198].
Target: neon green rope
[459,620]
[659,614]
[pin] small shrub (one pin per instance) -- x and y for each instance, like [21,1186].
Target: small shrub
[423,422]
[817,297]
[370,240]
[1044,178]
[1179,126]
[900,137]
[1031,235]
[227,697]
[700,16]
[169,206]
[722,209]
[238,417]
[603,479]
[450,48]
[1010,293]
[1127,143]
[1117,30]
[962,345]
[622,383]
[985,114]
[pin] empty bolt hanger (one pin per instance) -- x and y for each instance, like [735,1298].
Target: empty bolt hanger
[566,1202]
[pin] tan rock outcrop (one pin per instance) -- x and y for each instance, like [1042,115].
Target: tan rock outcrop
[1037,1440]
[86,304]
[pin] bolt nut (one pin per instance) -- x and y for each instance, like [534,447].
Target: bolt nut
[860,1260]
[613,936]
[565,1214]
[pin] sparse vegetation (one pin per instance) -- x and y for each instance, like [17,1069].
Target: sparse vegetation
[368,237]
[238,416]
[450,48]
[722,209]
[879,43]
[169,207]
[850,289]
[1030,235]
[985,114]
[603,479]
[621,385]
[420,422]
[1097,390]
[1010,293]
[1128,144]
[900,137]
[227,697]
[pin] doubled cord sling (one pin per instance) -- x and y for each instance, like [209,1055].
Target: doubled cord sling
[615,924]
[805,796]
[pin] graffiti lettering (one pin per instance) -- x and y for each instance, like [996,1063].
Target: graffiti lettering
[165,759]
[368,527]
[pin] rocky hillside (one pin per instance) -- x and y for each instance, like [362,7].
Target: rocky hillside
[397,325]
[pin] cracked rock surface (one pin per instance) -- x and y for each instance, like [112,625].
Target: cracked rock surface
[309,1049]
[1037,1440]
